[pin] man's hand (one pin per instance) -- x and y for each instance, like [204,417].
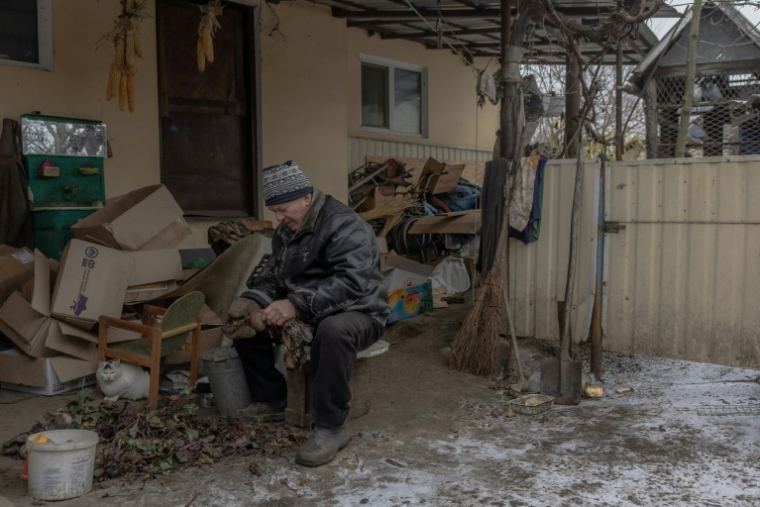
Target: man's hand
[241,314]
[242,308]
[279,312]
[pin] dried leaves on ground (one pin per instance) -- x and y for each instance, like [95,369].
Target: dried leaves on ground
[140,440]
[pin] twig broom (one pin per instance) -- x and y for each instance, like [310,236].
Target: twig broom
[475,345]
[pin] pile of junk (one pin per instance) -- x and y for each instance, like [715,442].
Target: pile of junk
[423,210]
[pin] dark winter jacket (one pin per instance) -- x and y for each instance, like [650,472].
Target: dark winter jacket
[330,264]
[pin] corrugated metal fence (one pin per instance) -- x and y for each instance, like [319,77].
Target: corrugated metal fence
[683,279]
[538,271]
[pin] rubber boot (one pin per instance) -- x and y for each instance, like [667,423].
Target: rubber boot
[261,412]
[322,446]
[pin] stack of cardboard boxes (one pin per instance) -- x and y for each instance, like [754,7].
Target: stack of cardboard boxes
[410,289]
[124,253]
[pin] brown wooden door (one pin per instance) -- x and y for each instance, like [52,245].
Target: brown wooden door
[208,157]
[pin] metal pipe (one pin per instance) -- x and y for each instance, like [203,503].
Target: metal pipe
[597,333]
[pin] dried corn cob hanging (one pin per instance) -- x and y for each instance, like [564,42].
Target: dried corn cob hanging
[206,31]
[125,38]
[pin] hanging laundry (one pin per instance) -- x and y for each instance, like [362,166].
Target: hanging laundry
[532,230]
[522,193]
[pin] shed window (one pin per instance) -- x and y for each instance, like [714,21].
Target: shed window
[393,97]
[26,33]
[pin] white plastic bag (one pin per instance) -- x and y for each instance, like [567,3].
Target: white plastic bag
[452,274]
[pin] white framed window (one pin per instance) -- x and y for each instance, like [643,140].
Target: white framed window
[393,97]
[26,33]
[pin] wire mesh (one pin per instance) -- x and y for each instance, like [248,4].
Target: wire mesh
[724,410]
[725,118]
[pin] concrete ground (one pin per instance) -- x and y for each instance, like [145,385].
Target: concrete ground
[440,438]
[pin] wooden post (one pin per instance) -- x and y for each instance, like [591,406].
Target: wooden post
[572,101]
[619,134]
[650,114]
[506,21]
[691,70]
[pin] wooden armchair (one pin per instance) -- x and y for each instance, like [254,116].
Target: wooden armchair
[164,332]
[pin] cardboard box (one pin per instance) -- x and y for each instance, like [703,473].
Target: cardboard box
[46,376]
[92,281]
[170,236]
[154,274]
[148,291]
[147,218]
[381,195]
[72,341]
[25,326]
[440,178]
[122,335]
[27,322]
[410,291]
[465,222]
[400,272]
[16,268]
[155,266]
[410,301]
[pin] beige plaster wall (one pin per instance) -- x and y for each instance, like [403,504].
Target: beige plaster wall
[77,85]
[309,91]
[303,92]
[451,92]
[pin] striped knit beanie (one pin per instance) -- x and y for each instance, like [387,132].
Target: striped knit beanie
[284,183]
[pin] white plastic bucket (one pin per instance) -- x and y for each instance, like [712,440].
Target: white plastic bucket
[61,468]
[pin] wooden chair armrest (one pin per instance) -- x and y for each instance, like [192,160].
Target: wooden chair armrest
[180,330]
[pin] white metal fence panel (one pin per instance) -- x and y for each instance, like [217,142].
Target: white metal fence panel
[538,271]
[682,280]
[359,148]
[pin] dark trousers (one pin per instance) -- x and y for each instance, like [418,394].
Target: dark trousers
[337,339]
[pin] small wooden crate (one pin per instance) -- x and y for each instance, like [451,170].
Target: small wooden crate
[301,384]
[300,389]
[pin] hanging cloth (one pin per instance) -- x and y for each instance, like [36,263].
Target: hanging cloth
[522,193]
[16,224]
[532,231]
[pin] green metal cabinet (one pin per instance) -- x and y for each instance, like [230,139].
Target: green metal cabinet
[76,188]
[52,229]
[77,148]
[72,188]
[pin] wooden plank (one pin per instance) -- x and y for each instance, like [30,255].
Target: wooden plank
[300,381]
[128,357]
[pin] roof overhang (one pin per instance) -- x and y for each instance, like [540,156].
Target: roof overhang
[473,27]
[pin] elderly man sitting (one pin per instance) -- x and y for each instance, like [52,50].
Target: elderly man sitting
[324,272]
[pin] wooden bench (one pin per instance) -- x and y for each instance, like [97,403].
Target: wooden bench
[301,383]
